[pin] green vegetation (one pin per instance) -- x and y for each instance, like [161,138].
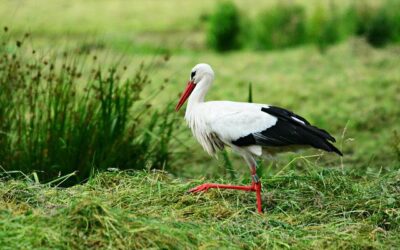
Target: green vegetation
[286,25]
[54,123]
[328,26]
[323,208]
[384,26]
[224,28]
[281,26]
[87,93]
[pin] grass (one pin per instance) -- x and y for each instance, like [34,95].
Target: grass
[323,208]
[312,199]
[61,114]
[350,90]
[224,28]
[281,27]
[121,25]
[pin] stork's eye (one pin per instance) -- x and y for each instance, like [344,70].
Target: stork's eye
[192,74]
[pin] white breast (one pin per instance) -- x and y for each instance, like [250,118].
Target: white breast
[217,123]
[196,119]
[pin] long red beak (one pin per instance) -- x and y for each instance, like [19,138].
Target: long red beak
[189,88]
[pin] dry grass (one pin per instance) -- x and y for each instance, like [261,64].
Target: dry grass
[127,210]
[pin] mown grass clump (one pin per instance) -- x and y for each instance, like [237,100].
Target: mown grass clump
[224,28]
[324,208]
[58,117]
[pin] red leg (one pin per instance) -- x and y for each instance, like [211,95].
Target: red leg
[255,187]
[258,196]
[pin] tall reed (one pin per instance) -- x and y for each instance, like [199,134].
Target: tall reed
[57,117]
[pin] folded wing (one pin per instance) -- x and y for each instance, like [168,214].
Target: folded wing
[288,130]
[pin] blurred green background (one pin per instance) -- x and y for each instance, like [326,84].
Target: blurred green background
[334,62]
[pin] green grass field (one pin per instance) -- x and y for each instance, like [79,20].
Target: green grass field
[322,208]
[313,200]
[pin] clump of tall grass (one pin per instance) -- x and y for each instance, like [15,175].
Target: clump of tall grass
[283,25]
[224,28]
[384,25]
[57,117]
[378,24]
[330,25]
[287,24]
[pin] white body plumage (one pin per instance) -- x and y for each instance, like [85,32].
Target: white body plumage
[218,123]
[245,127]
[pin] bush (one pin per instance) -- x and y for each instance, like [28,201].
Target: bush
[327,26]
[379,25]
[224,28]
[281,26]
[55,121]
[363,14]
[286,25]
[384,26]
[379,31]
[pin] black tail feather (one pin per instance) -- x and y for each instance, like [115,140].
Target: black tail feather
[288,116]
[292,129]
[289,129]
[332,148]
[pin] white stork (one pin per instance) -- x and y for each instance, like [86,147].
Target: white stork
[250,129]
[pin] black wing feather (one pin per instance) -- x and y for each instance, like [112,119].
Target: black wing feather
[288,116]
[288,131]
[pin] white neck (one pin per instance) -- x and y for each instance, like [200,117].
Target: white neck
[195,118]
[199,92]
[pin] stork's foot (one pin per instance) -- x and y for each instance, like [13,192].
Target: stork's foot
[200,188]
[206,186]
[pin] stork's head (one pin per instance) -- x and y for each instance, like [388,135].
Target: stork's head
[201,74]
